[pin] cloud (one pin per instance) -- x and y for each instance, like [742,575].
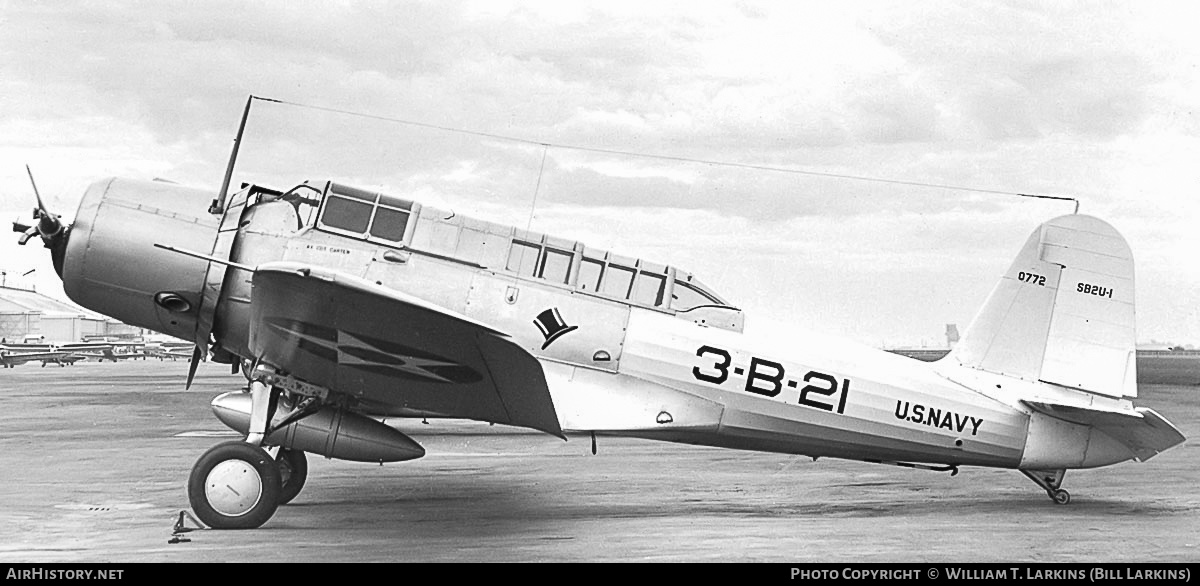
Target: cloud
[1028,71]
[1061,99]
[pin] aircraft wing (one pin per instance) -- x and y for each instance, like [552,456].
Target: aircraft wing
[15,358]
[395,353]
[92,351]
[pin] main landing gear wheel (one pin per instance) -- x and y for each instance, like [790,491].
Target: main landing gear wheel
[234,485]
[293,471]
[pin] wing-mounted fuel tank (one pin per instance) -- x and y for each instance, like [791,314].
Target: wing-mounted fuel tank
[112,265]
[330,432]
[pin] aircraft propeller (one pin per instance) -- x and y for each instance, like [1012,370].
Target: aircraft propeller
[49,226]
[197,356]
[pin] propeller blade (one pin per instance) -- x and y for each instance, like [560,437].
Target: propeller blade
[41,206]
[25,236]
[48,225]
[197,355]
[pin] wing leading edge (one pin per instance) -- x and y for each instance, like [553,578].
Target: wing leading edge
[395,353]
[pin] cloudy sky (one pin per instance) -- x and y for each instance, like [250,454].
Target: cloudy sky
[1094,100]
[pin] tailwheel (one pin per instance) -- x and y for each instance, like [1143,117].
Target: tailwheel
[293,472]
[234,485]
[1061,497]
[1050,481]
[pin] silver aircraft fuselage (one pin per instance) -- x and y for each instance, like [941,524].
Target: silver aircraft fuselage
[628,346]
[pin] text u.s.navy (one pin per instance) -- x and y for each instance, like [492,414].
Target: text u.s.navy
[343,307]
[936,417]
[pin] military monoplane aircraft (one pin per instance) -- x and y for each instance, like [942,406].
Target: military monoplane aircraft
[169,350]
[63,359]
[17,354]
[101,351]
[119,354]
[342,306]
[11,358]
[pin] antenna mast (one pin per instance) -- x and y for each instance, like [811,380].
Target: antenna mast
[218,204]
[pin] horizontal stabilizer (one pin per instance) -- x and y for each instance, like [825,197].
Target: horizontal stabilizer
[1143,431]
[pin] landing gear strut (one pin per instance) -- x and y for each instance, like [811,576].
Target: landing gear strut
[1050,480]
[238,485]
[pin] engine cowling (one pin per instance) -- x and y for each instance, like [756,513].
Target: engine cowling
[111,264]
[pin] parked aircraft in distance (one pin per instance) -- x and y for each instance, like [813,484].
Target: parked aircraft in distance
[342,306]
[170,350]
[12,355]
[101,351]
[119,354]
[63,359]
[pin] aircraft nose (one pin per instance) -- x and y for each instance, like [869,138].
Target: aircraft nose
[112,266]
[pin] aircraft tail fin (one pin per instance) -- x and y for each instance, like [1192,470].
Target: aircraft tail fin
[1063,313]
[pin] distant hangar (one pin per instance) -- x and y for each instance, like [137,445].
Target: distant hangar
[29,316]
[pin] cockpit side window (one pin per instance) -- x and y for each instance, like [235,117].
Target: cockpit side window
[347,214]
[617,281]
[649,290]
[590,271]
[363,214]
[389,224]
[353,192]
[306,198]
[595,272]
[686,297]
[556,266]
[523,258]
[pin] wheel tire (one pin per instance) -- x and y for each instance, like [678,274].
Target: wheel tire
[293,472]
[1061,497]
[234,485]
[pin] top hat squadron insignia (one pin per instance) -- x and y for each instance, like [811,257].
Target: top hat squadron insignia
[551,323]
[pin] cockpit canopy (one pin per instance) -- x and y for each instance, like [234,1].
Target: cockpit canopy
[404,224]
